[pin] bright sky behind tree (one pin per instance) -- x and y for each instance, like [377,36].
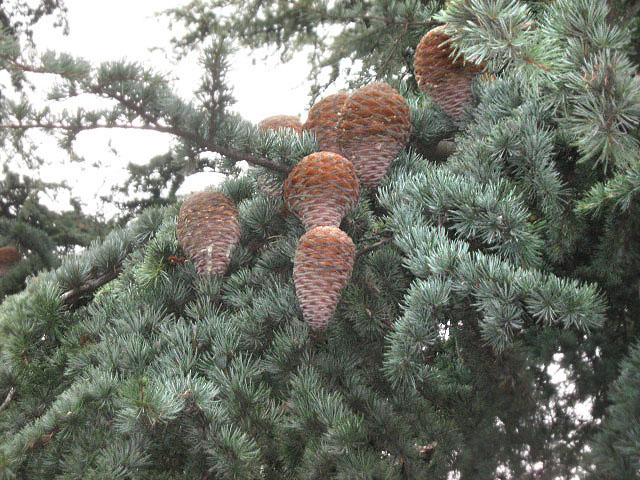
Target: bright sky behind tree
[105,31]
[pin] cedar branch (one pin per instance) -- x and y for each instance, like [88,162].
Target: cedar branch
[372,247]
[227,152]
[12,392]
[74,295]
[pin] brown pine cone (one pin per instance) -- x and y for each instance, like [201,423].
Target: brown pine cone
[374,127]
[323,120]
[322,266]
[9,256]
[322,189]
[208,231]
[279,122]
[447,79]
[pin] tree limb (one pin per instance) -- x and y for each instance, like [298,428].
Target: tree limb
[227,152]
[73,296]
[372,247]
[12,392]
[197,139]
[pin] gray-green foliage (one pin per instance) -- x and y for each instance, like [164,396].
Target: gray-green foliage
[616,448]
[26,223]
[165,371]
[478,273]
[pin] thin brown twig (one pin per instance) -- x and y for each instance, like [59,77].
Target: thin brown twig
[16,66]
[74,295]
[237,156]
[197,139]
[361,17]
[7,400]
[619,18]
[392,50]
[373,246]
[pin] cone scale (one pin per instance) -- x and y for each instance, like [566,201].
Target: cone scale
[374,127]
[208,231]
[323,121]
[322,189]
[322,266]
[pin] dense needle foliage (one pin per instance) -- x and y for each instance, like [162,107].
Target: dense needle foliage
[27,223]
[486,332]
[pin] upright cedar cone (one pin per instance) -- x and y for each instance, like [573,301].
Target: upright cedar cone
[277,122]
[208,230]
[323,120]
[322,189]
[9,256]
[445,78]
[322,267]
[374,126]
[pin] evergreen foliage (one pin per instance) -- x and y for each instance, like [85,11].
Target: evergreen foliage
[26,223]
[617,446]
[498,249]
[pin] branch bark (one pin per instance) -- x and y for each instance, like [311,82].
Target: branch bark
[7,400]
[227,152]
[73,296]
[374,246]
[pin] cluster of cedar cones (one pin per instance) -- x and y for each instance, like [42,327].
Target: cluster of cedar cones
[358,135]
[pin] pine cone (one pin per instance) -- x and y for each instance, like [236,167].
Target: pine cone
[323,120]
[445,78]
[322,267]
[9,256]
[374,127]
[322,189]
[208,230]
[278,122]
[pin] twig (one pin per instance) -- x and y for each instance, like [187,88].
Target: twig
[12,392]
[227,152]
[367,19]
[73,296]
[16,66]
[372,247]
[44,438]
[197,139]
[617,17]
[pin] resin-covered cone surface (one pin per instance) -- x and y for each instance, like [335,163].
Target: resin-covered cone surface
[208,230]
[281,122]
[322,189]
[374,127]
[9,256]
[323,121]
[322,266]
[446,78]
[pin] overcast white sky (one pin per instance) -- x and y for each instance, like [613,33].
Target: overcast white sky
[101,31]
